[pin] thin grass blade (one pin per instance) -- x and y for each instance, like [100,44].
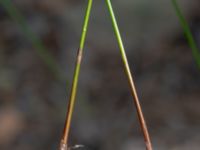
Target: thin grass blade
[188,33]
[39,47]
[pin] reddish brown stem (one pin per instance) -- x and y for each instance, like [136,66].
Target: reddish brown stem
[130,79]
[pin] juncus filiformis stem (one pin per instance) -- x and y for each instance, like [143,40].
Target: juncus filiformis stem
[64,140]
[130,78]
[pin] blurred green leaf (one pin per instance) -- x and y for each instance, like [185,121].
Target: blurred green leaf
[188,33]
[39,47]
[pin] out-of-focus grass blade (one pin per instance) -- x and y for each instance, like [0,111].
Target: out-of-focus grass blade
[39,47]
[188,33]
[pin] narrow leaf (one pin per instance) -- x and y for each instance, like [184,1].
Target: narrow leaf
[188,33]
[40,48]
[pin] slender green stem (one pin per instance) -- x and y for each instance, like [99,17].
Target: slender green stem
[64,140]
[130,79]
[40,48]
[188,33]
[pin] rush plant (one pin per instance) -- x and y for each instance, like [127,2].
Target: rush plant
[40,48]
[188,33]
[64,140]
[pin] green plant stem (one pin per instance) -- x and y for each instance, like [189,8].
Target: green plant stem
[40,48]
[130,79]
[64,140]
[188,33]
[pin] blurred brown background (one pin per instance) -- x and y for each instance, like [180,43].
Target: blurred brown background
[33,102]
